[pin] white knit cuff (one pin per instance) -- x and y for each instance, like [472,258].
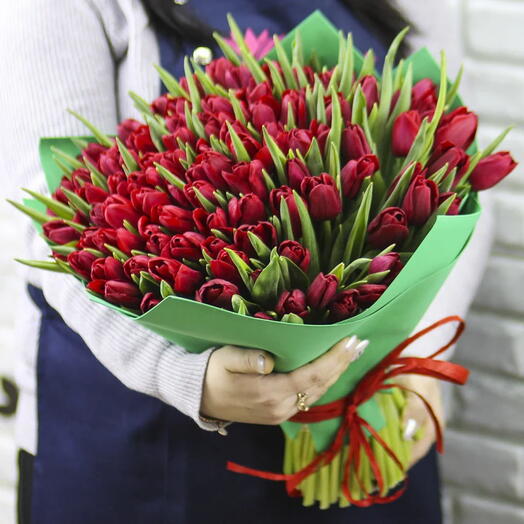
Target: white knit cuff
[180,381]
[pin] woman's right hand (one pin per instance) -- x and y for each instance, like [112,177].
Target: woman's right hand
[240,386]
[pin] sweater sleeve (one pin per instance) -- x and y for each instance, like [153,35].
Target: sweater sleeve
[60,55]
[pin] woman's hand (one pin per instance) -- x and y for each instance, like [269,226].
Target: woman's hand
[239,385]
[416,415]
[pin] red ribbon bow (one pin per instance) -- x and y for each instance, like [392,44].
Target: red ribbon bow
[354,426]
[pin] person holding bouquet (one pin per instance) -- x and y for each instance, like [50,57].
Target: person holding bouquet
[116,423]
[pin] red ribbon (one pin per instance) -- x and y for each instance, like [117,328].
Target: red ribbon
[354,426]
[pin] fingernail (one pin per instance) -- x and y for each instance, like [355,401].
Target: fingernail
[261,363]
[348,346]
[410,429]
[359,349]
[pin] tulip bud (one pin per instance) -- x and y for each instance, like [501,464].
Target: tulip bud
[58,232]
[322,290]
[175,218]
[354,173]
[263,230]
[107,269]
[354,142]
[404,132]
[390,262]
[370,88]
[455,206]
[322,196]
[217,292]
[81,262]
[454,157]
[122,293]
[424,97]
[286,193]
[296,172]
[491,170]
[213,245]
[249,209]
[344,305]
[182,278]
[368,294]
[420,201]
[458,128]
[127,241]
[390,226]
[149,301]
[135,265]
[292,302]
[185,245]
[296,253]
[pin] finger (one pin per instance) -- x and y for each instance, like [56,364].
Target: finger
[240,360]
[421,447]
[315,378]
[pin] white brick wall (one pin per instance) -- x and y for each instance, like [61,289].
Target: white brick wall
[484,464]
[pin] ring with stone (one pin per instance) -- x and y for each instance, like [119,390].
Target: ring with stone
[301,402]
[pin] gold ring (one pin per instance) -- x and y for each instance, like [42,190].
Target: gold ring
[301,402]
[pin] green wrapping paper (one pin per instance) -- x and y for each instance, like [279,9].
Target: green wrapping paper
[197,326]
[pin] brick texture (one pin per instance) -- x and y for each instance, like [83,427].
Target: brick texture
[483,466]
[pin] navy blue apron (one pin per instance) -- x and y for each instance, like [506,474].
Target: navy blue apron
[107,454]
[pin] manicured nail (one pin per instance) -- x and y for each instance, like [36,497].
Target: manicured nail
[261,363]
[410,429]
[348,346]
[359,349]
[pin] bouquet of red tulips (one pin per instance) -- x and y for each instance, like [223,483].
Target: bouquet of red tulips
[281,204]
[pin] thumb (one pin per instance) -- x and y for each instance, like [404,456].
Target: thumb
[240,360]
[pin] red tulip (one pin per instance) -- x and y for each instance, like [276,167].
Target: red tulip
[390,226]
[81,262]
[182,278]
[455,206]
[369,86]
[122,293]
[491,170]
[175,218]
[299,139]
[454,156]
[107,269]
[213,245]
[209,166]
[296,253]
[127,241]
[420,201]
[368,294]
[354,142]
[224,268]
[458,128]
[322,196]
[265,111]
[149,301]
[263,230]
[354,173]
[217,292]
[322,290]
[247,177]
[390,262]
[58,232]
[404,131]
[344,305]
[296,172]
[424,97]
[292,302]
[296,101]
[204,187]
[249,209]
[134,265]
[186,245]
[117,209]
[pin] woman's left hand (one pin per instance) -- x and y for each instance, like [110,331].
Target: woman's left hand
[415,410]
